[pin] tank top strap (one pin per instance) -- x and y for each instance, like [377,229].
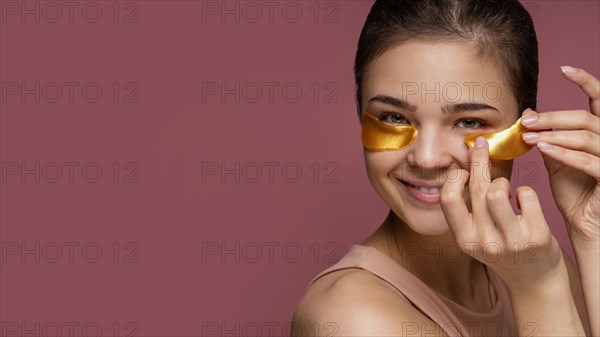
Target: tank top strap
[411,288]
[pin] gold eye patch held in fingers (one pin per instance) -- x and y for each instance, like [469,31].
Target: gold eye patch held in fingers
[504,145]
[377,136]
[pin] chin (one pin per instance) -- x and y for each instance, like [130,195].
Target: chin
[425,223]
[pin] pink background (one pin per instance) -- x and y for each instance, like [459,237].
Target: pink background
[157,210]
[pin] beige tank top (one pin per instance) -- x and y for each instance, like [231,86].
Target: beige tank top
[451,317]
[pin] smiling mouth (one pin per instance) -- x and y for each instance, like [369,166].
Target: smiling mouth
[426,190]
[434,191]
[427,195]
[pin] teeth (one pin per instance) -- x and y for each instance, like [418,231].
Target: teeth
[433,190]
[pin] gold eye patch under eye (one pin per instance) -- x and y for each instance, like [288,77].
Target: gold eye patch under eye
[377,136]
[504,145]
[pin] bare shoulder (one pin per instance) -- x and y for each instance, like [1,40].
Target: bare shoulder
[354,302]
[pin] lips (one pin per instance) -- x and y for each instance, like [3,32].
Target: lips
[426,194]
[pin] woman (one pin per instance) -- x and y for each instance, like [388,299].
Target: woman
[452,258]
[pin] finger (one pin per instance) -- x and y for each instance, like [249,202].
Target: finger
[531,210]
[479,182]
[582,161]
[453,204]
[528,111]
[498,200]
[580,140]
[564,120]
[588,83]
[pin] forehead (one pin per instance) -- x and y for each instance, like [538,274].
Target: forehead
[450,69]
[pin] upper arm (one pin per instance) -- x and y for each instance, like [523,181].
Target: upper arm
[577,291]
[356,305]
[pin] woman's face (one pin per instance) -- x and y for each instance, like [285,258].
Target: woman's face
[446,92]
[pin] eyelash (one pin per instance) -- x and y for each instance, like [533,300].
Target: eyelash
[481,123]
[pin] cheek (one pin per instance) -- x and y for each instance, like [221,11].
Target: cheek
[380,163]
[456,148]
[461,150]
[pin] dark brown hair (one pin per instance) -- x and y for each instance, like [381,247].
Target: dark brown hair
[500,30]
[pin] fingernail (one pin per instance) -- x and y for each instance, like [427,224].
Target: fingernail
[568,70]
[544,146]
[480,142]
[529,119]
[531,135]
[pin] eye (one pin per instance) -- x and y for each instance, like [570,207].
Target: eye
[472,123]
[392,118]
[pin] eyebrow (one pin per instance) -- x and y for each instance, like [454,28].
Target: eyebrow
[447,109]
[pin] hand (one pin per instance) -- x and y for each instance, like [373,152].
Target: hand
[519,248]
[571,150]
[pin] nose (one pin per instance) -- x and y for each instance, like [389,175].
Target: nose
[432,150]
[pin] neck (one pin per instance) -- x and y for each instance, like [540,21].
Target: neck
[437,260]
